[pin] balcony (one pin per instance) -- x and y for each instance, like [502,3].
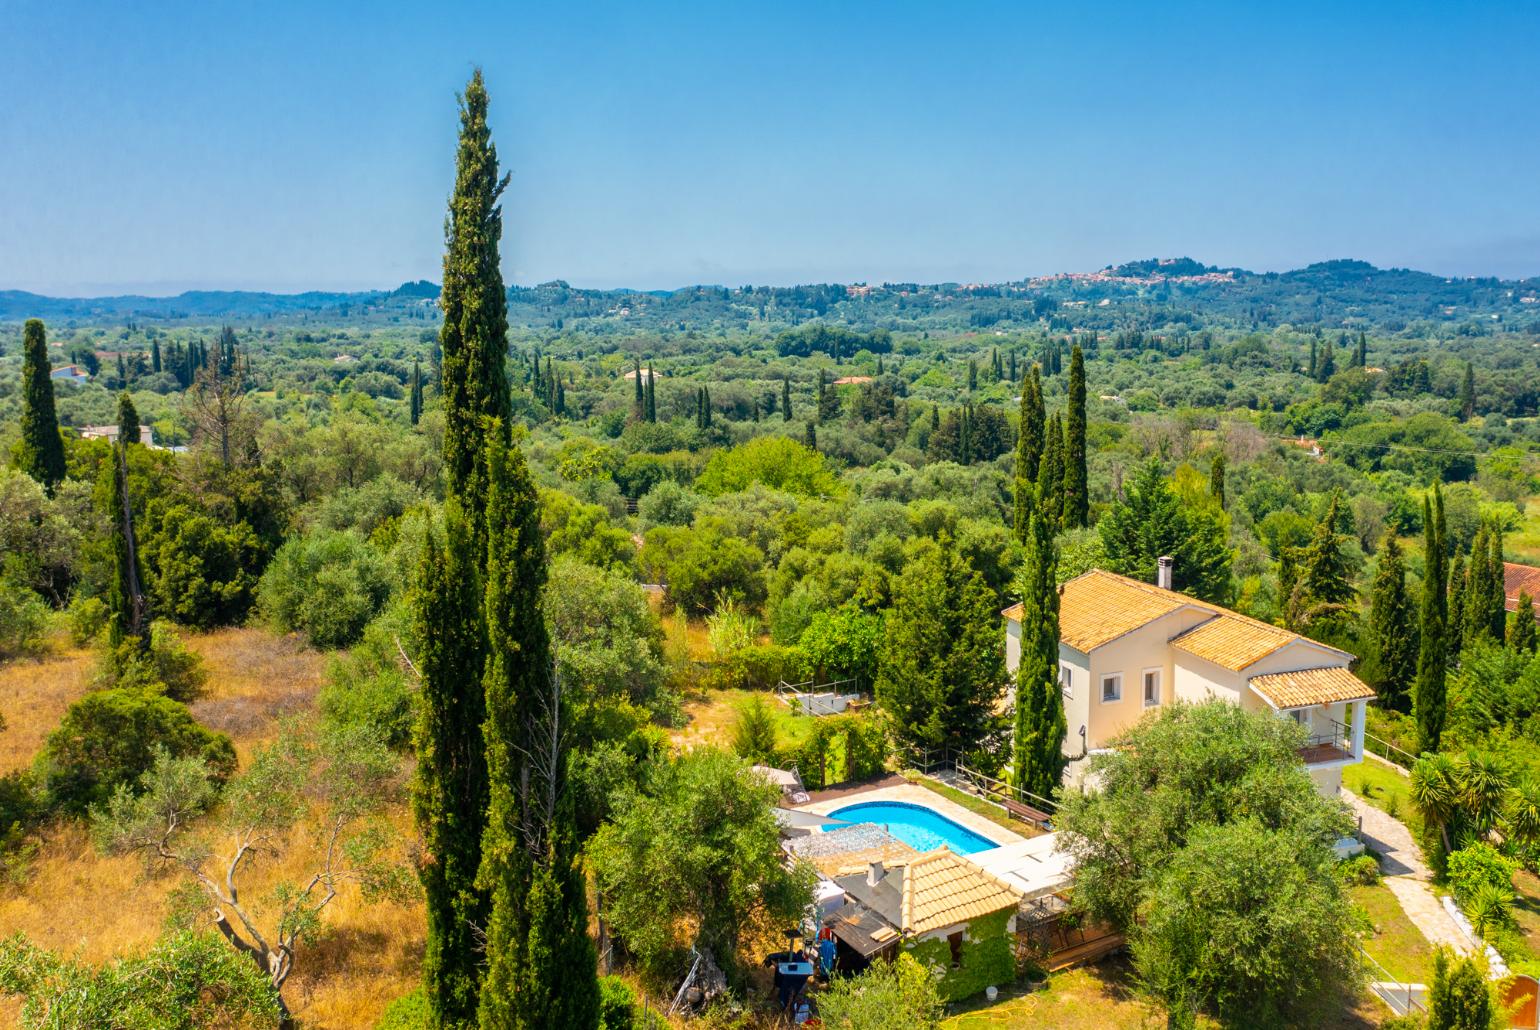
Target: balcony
[1335,745]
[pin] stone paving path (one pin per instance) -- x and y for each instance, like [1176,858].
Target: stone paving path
[1407,875]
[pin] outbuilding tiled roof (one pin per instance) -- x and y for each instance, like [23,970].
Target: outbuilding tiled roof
[1311,687]
[1518,578]
[942,889]
[1233,641]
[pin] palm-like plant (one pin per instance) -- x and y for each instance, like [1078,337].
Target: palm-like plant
[1484,788]
[1488,909]
[1435,792]
[1521,821]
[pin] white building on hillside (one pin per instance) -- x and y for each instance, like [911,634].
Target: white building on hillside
[1126,647]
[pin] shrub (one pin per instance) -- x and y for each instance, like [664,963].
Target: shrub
[109,737]
[758,667]
[754,737]
[23,618]
[617,1004]
[88,617]
[368,687]
[1477,865]
[408,1012]
[327,585]
[1360,870]
[186,981]
[168,667]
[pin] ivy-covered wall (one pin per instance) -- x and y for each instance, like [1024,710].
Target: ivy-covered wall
[988,957]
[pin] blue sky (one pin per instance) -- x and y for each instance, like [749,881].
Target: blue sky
[156,147]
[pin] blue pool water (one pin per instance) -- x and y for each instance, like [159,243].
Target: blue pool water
[917,826]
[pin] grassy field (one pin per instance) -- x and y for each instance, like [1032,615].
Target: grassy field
[79,902]
[1393,941]
[1384,788]
[711,714]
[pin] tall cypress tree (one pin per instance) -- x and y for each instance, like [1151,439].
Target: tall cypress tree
[128,608]
[1468,394]
[785,399]
[1521,631]
[652,396]
[1077,507]
[128,419]
[1454,607]
[1477,609]
[451,794]
[1029,452]
[1050,474]
[40,451]
[1432,656]
[1392,629]
[639,406]
[1497,590]
[155,356]
[416,396]
[1216,478]
[474,336]
[540,962]
[1038,755]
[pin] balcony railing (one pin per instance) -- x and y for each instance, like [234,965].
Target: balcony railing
[1334,745]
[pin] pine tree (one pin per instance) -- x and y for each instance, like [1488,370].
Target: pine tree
[1392,629]
[540,969]
[416,395]
[1216,477]
[785,399]
[40,451]
[1077,510]
[1324,597]
[1029,452]
[1521,631]
[474,336]
[1432,656]
[450,795]
[128,419]
[1038,753]
[1468,394]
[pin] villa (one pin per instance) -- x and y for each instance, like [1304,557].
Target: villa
[110,434]
[1126,647]
[70,374]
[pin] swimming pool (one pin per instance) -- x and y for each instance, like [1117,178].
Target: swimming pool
[917,826]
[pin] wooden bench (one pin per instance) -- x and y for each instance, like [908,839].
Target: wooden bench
[1026,812]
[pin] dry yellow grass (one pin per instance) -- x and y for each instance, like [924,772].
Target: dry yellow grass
[79,902]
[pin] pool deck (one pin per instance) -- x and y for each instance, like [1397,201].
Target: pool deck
[910,794]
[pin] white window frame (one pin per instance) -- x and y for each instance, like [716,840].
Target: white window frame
[1067,679]
[1115,678]
[1144,686]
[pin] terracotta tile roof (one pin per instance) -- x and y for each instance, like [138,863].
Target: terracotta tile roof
[1233,641]
[1098,607]
[1311,687]
[1518,577]
[942,889]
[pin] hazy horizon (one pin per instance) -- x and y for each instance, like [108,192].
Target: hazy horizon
[289,149]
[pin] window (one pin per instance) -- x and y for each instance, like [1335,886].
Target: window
[956,942]
[1066,684]
[1151,687]
[1112,687]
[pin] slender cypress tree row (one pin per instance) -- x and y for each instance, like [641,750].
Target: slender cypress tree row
[474,336]
[1038,755]
[128,419]
[1077,505]
[540,962]
[40,451]
[1432,656]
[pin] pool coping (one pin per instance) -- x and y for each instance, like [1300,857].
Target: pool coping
[911,794]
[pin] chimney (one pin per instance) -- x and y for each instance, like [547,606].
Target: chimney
[874,874]
[1163,571]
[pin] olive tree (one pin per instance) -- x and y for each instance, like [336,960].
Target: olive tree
[322,795]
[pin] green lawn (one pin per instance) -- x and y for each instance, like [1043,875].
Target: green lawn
[1384,788]
[1393,941]
[991,812]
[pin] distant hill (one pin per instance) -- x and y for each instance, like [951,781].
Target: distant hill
[1137,294]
